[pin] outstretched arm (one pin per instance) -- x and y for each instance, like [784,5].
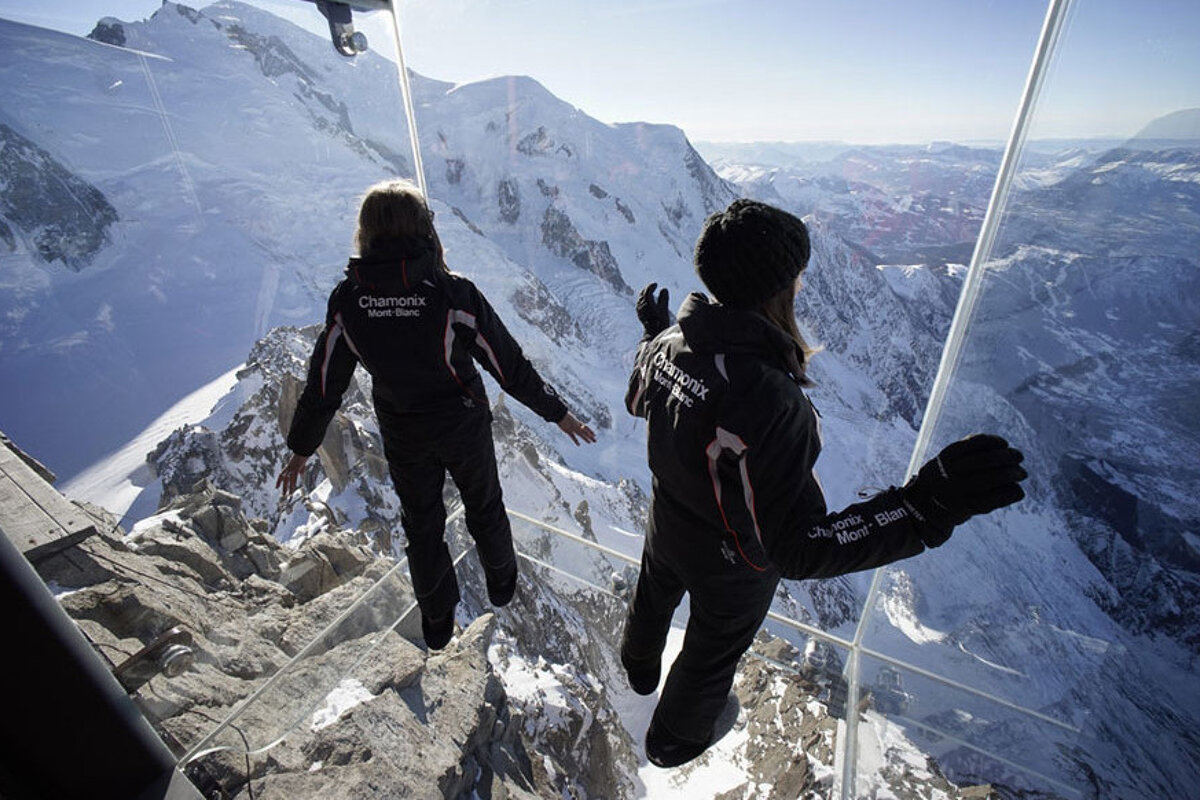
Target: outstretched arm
[773,506]
[772,501]
[329,372]
[896,523]
[497,351]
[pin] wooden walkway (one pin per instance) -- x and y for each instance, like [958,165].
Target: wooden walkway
[33,514]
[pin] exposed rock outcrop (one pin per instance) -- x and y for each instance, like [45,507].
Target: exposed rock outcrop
[560,237]
[508,200]
[61,216]
[430,727]
[418,724]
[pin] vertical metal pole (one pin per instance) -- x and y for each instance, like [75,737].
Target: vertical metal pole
[1056,14]
[406,92]
[967,301]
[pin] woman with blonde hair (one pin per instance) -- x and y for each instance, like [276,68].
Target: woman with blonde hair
[418,329]
[732,441]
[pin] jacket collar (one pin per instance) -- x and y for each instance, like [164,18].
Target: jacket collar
[395,265]
[711,327]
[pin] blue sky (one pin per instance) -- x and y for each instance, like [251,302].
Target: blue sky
[853,70]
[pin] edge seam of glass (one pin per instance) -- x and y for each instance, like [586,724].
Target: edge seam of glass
[574,537]
[973,284]
[406,92]
[968,689]
[1056,12]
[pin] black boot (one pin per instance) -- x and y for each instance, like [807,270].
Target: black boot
[666,749]
[643,673]
[437,632]
[501,591]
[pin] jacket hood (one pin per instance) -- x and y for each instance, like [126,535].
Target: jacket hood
[712,327]
[396,265]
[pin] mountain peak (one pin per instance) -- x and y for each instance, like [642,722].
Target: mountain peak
[1179,126]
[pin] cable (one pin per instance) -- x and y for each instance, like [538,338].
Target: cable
[245,741]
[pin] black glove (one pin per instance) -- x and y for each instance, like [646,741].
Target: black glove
[652,312]
[973,476]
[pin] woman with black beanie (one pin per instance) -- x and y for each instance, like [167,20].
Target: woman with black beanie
[732,440]
[419,330]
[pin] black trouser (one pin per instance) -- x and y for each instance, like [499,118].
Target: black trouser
[420,451]
[728,602]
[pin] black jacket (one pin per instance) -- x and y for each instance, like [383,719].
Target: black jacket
[417,330]
[732,443]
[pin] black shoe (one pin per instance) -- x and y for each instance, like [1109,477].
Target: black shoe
[502,591]
[643,674]
[437,632]
[726,719]
[664,749]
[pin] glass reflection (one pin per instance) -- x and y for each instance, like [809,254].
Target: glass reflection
[149,235]
[956,735]
[1073,608]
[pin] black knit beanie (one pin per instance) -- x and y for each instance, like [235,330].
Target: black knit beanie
[750,252]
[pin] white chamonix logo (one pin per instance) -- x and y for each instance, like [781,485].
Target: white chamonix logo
[678,382]
[392,306]
[840,526]
[851,528]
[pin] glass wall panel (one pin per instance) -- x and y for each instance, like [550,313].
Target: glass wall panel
[917,729]
[184,243]
[1078,604]
[171,189]
[557,168]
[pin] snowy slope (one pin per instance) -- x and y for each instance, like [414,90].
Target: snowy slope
[244,114]
[209,249]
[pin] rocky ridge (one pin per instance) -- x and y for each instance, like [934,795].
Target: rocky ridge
[424,724]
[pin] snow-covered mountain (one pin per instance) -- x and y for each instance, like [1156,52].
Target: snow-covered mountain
[213,161]
[904,204]
[200,154]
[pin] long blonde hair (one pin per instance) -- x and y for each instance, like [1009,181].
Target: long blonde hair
[780,311]
[394,209]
